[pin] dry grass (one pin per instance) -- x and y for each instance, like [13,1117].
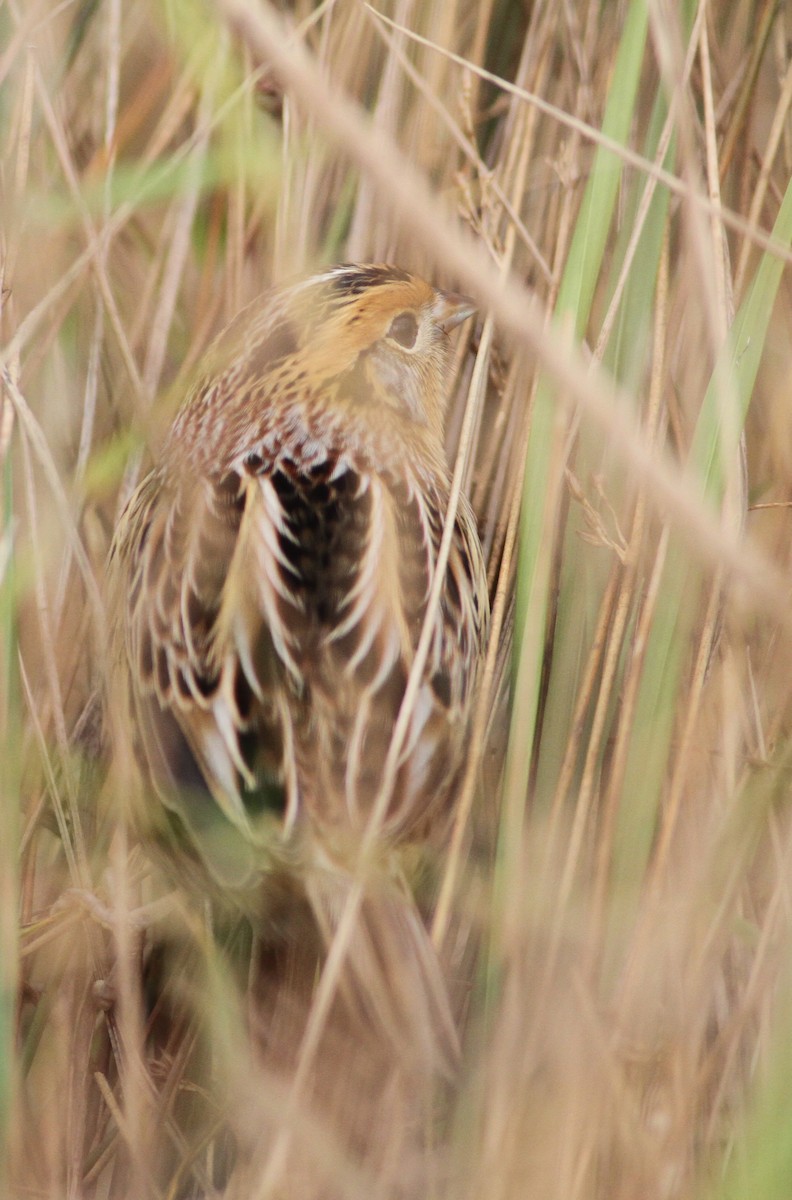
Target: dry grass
[613,900]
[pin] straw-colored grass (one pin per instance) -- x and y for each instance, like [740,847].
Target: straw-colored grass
[612,182]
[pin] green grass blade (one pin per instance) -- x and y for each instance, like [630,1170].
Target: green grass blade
[574,306]
[669,640]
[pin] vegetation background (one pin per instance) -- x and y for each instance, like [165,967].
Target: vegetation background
[616,892]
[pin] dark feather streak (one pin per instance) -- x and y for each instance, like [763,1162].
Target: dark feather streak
[352,280]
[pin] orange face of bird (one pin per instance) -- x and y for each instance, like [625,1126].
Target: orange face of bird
[370,340]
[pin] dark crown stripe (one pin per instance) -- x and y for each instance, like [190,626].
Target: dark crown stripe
[351,280]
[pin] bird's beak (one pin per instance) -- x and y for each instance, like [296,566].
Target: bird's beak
[452,309]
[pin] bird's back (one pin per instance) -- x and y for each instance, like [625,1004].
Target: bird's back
[272,617]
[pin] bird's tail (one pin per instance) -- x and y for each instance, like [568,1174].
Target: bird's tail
[388,971]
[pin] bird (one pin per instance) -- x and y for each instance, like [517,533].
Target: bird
[268,584]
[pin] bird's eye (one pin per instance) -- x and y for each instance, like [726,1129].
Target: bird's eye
[404,330]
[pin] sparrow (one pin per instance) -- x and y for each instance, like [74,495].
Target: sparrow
[268,584]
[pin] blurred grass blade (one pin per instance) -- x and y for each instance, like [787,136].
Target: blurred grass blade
[758,1157]
[740,357]
[573,307]
[715,442]
[10,741]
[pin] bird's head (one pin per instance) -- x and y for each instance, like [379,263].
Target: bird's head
[384,336]
[372,341]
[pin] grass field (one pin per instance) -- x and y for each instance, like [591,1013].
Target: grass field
[611,182]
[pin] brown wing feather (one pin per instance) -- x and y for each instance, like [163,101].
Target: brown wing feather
[361,551]
[206,704]
[274,614]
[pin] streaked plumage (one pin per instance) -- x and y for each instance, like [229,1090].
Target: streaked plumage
[269,581]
